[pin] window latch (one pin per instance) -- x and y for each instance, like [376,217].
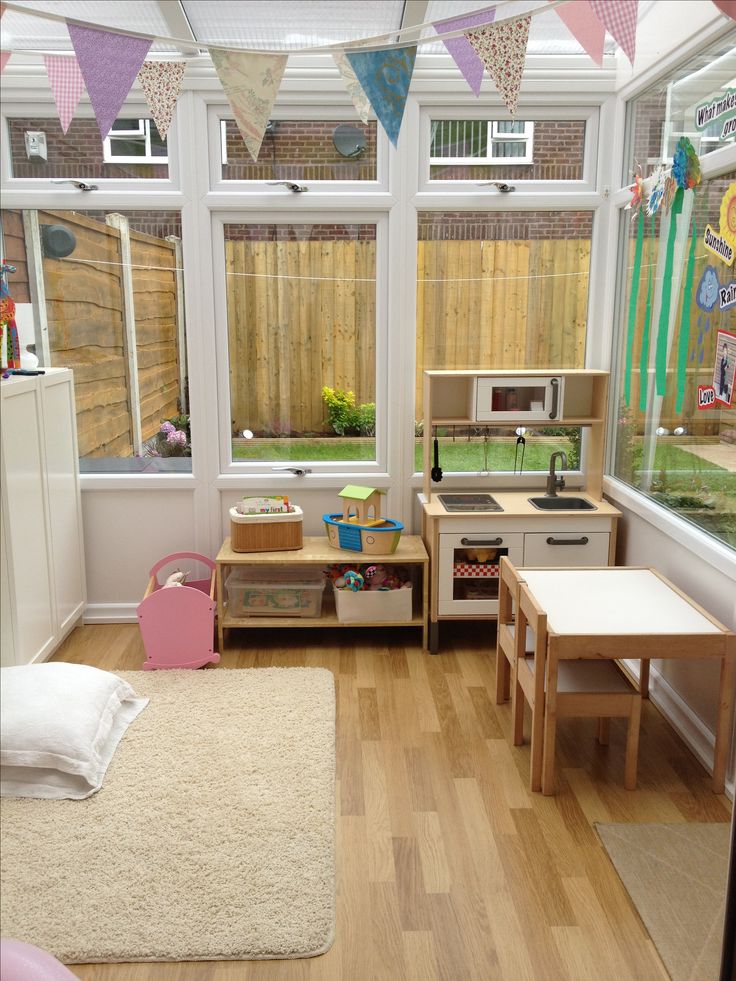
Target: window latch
[297,188]
[80,185]
[505,188]
[297,471]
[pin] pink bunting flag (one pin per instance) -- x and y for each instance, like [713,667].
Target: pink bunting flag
[251,83]
[728,7]
[502,49]
[109,63]
[619,19]
[161,84]
[4,55]
[67,85]
[461,49]
[585,27]
[2,10]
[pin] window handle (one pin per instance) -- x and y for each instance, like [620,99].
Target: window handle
[297,471]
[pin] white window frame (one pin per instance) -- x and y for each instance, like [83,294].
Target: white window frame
[493,137]
[144,132]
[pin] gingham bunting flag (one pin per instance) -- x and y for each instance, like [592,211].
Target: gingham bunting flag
[251,83]
[109,63]
[67,85]
[619,19]
[161,84]
[502,49]
[4,55]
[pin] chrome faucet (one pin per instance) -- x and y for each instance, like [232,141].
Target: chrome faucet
[555,483]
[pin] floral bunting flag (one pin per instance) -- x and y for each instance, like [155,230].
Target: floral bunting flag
[460,48]
[502,49]
[4,55]
[67,85]
[109,63]
[385,77]
[359,98]
[251,83]
[161,84]
[581,21]
[619,19]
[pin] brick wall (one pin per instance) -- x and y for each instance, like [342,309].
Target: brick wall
[504,226]
[300,233]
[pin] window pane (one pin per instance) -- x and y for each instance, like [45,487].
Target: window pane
[667,446]
[667,111]
[301,302]
[555,152]
[129,361]
[78,153]
[301,150]
[498,291]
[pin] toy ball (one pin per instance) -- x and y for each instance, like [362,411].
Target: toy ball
[370,571]
[353,581]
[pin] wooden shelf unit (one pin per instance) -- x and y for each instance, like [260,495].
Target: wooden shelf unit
[316,551]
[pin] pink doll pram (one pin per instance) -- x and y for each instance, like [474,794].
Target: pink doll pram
[178,622]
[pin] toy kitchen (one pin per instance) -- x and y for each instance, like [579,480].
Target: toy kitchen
[467,532]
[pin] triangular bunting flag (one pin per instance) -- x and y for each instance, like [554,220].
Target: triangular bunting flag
[4,55]
[619,19]
[585,27]
[359,98]
[502,49]
[161,84]
[728,7]
[2,10]
[67,85]
[461,49]
[251,83]
[385,77]
[109,64]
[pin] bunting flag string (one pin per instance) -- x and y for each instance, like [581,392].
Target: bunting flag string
[251,84]
[67,86]
[355,90]
[385,77]
[462,50]
[109,63]
[502,49]
[161,84]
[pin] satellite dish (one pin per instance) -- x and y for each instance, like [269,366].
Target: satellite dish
[58,241]
[349,140]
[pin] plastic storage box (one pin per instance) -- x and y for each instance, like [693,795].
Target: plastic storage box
[254,591]
[265,532]
[374,606]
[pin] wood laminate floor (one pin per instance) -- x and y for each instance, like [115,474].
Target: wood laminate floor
[447,866]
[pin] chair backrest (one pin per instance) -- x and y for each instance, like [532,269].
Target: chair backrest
[508,590]
[532,616]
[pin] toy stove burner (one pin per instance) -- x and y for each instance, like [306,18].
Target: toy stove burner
[469,502]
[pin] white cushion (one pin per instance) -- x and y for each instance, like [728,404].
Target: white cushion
[60,725]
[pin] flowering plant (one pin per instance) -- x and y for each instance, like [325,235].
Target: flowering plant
[172,439]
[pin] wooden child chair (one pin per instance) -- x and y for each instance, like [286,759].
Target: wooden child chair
[583,689]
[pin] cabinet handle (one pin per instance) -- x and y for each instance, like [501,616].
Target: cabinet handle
[568,541]
[481,541]
[555,395]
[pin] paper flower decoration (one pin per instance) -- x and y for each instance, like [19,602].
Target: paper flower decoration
[670,186]
[728,215]
[685,164]
[637,195]
[656,195]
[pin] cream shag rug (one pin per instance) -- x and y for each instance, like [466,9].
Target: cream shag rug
[212,837]
[676,877]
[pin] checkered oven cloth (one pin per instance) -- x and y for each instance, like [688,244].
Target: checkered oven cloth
[473,570]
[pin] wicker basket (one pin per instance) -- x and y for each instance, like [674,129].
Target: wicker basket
[265,532]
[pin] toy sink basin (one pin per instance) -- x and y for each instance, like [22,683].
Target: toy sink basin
[377,539]
[562,504]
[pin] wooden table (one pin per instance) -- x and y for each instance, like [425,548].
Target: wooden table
[317,551]
[623,612]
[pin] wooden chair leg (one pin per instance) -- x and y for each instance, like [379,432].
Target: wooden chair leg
[503,677]
[632,744]
[604,729]
[517,711]
[537,748]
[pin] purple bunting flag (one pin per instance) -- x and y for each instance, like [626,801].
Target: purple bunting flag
[461,49]
[109,63]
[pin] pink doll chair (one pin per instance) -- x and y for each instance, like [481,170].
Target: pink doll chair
[20,961]
[178,622]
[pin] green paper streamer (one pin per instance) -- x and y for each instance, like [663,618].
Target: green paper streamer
[660,372]
[684,341]
[644,358]
[635,276]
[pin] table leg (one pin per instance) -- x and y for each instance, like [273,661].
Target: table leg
[550,726]
[434,636]
[644,677]
[723,720]
[220,612]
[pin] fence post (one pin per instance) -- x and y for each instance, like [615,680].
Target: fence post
[36,288]
[120,222]
[181,333]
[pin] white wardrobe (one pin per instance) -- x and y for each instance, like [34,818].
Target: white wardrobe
[42,564]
